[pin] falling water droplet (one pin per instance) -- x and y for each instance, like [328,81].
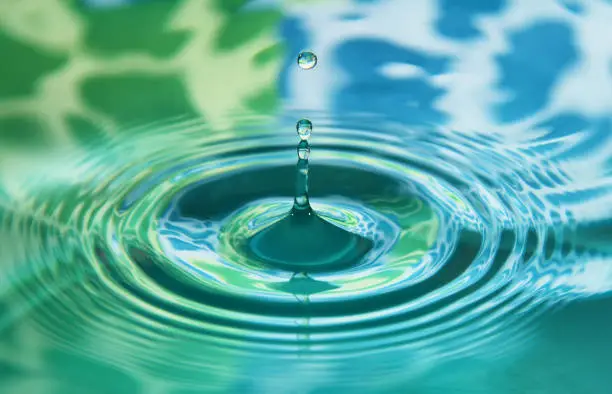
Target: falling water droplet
[303,150]
[307,60]
[304,128]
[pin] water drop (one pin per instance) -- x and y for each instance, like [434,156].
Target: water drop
[307,60]
[304,128]
[303,150]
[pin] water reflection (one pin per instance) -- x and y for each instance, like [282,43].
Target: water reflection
[409,99]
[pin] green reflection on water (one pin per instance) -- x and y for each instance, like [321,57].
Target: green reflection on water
[71,76]
[72,73]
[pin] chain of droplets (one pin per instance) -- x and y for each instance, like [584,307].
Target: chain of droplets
[306,61]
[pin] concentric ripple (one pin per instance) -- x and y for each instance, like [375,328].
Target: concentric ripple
[145,249]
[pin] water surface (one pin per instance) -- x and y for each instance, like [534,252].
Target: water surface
[470,144]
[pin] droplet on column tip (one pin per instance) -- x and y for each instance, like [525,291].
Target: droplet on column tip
[304,129]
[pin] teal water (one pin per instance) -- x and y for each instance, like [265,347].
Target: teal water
[437,220]
[141,265]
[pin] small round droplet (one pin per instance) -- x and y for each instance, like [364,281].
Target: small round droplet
[307,60]
[303,150]
[304,128]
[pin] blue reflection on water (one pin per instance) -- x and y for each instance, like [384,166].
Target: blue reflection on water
[588,133]
[406,99]
[539,56]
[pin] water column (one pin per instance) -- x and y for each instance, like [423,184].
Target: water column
[300,201]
